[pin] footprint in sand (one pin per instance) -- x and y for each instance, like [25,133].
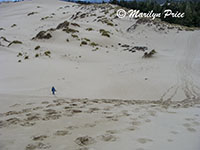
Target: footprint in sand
[144,140]
[39,138]
[61,133]
[84,140]
[170,140]
[111,131]
[186,125]
[107,138]
[140,149]
[191,129]
[196,123]
[174,132]
[37,146]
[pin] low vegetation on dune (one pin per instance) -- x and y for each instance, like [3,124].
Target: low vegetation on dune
[37,47]
[32,13]
[62,25]
[14,42]
[43,35]
[104,33]
[14,25]
[89,29]
[70,30]
[47,53]
[150,54]
[83,43]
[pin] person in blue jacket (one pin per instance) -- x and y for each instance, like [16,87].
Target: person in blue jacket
[53,90]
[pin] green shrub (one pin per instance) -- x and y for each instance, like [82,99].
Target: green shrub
[74,36]
[26,57]
[15,42]
[89,29]
[67,40]
[150,54]
[32,13]
[37,47]
[47,53]
[86,39]
[19,61]
[36,55]
[19,54]
[83,43]
[75,24]
[70,30]
[93,44]
[14,25]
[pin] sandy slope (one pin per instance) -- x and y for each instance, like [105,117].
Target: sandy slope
[166,115]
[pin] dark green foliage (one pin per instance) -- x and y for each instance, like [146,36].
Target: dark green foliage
[37,47]
[47,53]
[36,55]
[26,57]
[43,35]
[190,8]
[19,54]
[150,54]
[83,43]
[15,42]
[70,30]
[89,29]
[104,33]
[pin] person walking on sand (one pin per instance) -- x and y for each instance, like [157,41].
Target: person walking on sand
[53,90]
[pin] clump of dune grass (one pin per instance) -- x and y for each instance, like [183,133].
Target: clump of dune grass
[26,57]
[37,47]
[83,43]
[93,44]
[86,39]
[104,33]
[70,30]
[74,35]
[75,24]
[32,13]
[47,53]
[150,54]
[89,29]
[15,42]
[14,25]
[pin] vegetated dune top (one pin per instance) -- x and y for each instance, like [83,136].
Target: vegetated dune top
[85,51]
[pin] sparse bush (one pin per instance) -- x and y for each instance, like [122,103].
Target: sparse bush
[62,25]
[36,55]
[104,32]
[93,44]
[74,36]
[15,42]
[150,54]
[67,40]
[14,25]
[32,13]
[2,29]
[89,29]
[86,39]
[43,35]
[83,43]
[26,57]
[19,54]
[70,30]
[37,47]
[75,24]
[19,61]
[47,53]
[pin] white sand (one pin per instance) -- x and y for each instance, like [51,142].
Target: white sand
[171,77]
